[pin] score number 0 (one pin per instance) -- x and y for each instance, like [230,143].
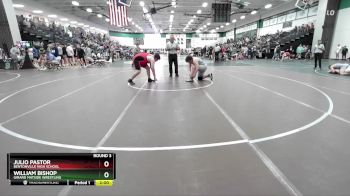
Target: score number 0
[106,164]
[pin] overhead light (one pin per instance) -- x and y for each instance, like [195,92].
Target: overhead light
[161,31]
[37,11]
[64,19]
[227,24]
[108,3]
[171,18]
[199,11]
[234,20]
[75,3]
[222,26]
[184,30]
[73,22]
[212,31]
[242,17]
[86,26]
[107,19]
[194,16]
[129,19]
[18,5]
[172,11]
[89,10]
[217,28]
[205,26]
[173,3]
[81,24]
[99,15]
[268,6]
[205,4]
[198,31]
[253,12]
[52,16]
[133,23]
[208,23]
[142,3]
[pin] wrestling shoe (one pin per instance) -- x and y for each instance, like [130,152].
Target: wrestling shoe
[131,82]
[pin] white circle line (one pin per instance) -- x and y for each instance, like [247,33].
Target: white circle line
[333,77]
[18,75]
[44,83]
[315,122]
[186,147]
[173,90]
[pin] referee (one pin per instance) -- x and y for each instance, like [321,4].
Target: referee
[318,52]
[172,49]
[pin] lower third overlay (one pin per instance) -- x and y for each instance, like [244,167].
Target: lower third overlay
[76,169]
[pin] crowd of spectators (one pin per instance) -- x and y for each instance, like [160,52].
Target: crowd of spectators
[53,45]
[266,46]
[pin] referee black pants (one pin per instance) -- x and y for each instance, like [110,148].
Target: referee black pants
[173,59]
[318,57]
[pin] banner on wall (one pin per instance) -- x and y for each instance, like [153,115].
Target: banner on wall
[291,16]
[139,41]
[266,23]
[302,14]
[273,21]
[247,28]
[313,11]
[287,24]
[281,19]
[179,39]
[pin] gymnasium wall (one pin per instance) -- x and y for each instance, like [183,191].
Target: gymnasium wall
[342,28]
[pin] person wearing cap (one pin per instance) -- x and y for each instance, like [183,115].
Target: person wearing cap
[146,61]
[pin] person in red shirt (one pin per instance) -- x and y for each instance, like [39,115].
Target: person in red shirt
[142,60]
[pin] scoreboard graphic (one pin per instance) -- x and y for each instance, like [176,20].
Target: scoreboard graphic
[76,169]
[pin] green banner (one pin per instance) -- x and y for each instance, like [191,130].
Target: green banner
[344,4]
[131,35]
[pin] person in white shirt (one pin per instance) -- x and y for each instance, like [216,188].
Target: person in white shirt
[70,54]
[172,47]
[217,51]
[318,51]
[337,51]
[60,53]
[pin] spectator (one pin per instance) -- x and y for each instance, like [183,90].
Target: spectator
[217,51]
[344,52]
[300,51]
[81,56]
[70,54]
[337,51]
